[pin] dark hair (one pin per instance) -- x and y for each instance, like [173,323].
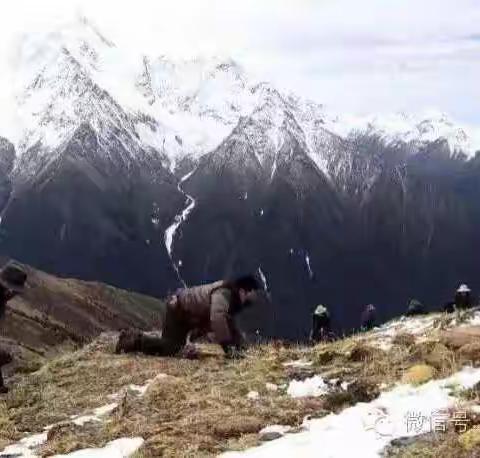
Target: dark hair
[247,282]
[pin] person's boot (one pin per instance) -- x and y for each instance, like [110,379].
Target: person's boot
[128,341]
[3,388]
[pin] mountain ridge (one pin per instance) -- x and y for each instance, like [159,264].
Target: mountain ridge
[163,173]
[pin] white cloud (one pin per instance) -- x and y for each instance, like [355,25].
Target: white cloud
[373,55]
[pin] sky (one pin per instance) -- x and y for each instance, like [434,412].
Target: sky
[361,57]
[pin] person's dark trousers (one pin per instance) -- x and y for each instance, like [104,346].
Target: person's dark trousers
[414,313]
[174,337]
[2,384]
[5,358]
[463,301]
[320,324]
[368,325]
[323,334]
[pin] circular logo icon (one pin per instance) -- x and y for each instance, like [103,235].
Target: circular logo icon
[384,427]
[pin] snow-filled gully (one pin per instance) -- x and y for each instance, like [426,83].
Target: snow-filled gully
[171,231]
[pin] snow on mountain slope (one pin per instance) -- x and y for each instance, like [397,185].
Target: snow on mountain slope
[75,75]
[177,108]
[54,82]
[62,86]
[199,101]
[410,128]
[269,127]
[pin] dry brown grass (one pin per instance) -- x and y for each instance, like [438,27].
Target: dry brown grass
[470,352]
[201,408]
[418,374]
[404,339]
[450,444]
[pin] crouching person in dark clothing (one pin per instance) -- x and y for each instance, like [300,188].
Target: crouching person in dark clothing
[415,308]
[200,310]
[449,307]
[12,282]
[368,318]
[463,298]
[321,325]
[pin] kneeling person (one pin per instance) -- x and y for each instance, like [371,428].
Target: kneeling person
[415,308]
[321,327]
[201,309]
[12,282]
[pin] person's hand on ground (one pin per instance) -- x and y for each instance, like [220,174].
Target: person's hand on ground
[234,353]
[190,352]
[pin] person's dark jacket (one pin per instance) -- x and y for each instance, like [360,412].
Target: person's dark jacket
[415,308]
[5,357]
[3,302]
[449,307]
[463,301]
[321,327]
[368,318]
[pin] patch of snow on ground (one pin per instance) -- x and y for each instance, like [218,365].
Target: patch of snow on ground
[142,389]
[271,387]
[120,448]
[417,326]
[109,408]
[96,416]
[253,395]
[273,432]
[276,429]
[25,447]
[474,320]
[313,386]
[298,363]
[370,426]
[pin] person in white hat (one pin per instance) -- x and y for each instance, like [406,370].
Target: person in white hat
[463,298]
[321,326]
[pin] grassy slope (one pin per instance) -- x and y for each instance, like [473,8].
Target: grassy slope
[62,313]
[201,408]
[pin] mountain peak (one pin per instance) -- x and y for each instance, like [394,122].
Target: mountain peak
[88,25]
[418,128]
[179,107]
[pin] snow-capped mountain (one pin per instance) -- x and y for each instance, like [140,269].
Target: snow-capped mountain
[62,88]
[408,128]
[180,108]
[149,173]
